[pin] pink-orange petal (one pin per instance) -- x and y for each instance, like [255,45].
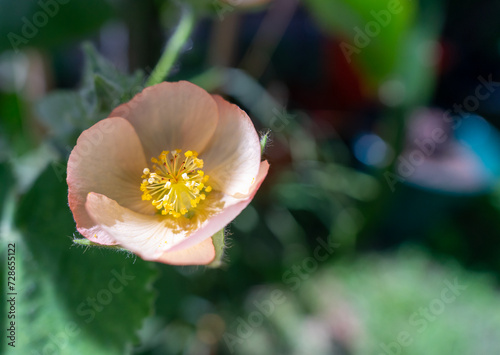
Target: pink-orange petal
[107,159]
[219,221]
[149,236]
[232,158]
[171,116]
[199,254]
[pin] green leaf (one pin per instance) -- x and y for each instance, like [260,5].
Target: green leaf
[419,76]
[67,113]
[219,244]
[101,72]
[13,125]
[107,91]
[97,65]
[6,181]
[372,31]
[92,301]
[49,23]
[29,166]
[62,110]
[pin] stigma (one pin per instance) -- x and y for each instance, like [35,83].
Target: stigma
[176,184]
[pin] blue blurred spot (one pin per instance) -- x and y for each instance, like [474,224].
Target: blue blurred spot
[371,150]
[484,139]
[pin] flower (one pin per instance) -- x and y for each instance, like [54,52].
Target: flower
[164,172]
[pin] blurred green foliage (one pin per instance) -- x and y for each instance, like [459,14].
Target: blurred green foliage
[405,302]
[374,32]
[49,23]
[67,113]
[66,294]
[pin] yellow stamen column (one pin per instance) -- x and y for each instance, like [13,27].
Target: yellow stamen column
[177,184]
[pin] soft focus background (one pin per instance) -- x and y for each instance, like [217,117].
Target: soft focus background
[377,230]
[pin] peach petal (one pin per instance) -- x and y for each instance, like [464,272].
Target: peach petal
[171,116]
[219,221]
[232,158]
[199,254]
[147,236]
[107,159]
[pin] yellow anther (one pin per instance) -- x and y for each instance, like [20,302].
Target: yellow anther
[175,183]
[208,188]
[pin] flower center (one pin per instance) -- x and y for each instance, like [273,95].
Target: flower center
[177,183]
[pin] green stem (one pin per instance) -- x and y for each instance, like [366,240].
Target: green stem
[174,46]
